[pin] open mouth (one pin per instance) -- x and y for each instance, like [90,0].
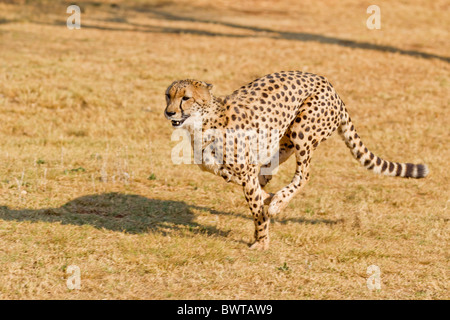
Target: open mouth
[177,123]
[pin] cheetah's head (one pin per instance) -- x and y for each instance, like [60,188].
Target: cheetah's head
[186,99]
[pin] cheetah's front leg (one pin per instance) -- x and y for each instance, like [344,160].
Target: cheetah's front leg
[255,198]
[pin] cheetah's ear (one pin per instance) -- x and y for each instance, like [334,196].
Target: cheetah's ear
[198,84]
[207,85]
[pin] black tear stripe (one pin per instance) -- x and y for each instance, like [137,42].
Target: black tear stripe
[181,102]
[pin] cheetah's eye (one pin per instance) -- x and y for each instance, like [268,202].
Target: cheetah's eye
[186,98]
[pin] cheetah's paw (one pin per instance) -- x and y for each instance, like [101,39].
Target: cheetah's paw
[260,245]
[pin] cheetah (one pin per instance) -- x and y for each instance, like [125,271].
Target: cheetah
[302,108]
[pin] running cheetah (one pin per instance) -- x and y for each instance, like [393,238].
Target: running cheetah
[302,108]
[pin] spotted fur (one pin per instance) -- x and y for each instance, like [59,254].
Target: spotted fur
[303,107]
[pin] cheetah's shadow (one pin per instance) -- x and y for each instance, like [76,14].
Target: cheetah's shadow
[134,214]
[127,213]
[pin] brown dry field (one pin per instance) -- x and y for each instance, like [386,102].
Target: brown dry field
[86,177]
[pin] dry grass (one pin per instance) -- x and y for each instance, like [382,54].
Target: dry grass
[85,171]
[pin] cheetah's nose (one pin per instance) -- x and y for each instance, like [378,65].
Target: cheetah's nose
[169,114]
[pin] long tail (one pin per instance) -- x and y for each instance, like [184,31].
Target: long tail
[372,162]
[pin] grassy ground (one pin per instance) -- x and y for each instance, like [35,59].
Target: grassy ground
[86,177]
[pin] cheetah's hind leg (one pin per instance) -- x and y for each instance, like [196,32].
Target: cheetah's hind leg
[285,151]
